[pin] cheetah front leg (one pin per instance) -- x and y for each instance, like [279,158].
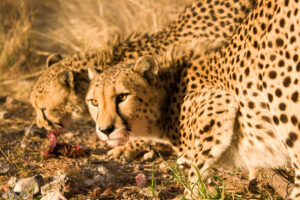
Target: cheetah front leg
[212,129]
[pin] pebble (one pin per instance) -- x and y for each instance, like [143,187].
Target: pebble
[4,168]
[141,180]
[31,184]
[55,195]
[164,167]
[150,156]
[63,183]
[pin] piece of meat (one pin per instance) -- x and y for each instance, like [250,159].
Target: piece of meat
[56,149]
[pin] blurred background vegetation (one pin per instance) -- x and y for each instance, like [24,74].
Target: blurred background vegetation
[32,30]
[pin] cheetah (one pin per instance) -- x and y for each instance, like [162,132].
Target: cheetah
[235,105]
[58,96]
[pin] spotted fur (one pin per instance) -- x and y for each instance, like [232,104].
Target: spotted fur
[239,104]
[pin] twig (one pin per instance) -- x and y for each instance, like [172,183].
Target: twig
[8,159]
[10,81]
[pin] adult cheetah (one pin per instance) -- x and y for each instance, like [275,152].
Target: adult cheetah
[58,95]
[239,104]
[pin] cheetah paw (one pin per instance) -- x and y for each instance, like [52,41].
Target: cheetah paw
[123,152]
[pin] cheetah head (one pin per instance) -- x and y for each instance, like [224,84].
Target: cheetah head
[56,98]
[124,101]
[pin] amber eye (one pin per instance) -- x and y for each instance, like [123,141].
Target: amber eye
[94,102]
[122,97]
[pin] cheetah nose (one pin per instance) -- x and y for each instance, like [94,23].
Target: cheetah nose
[107,130]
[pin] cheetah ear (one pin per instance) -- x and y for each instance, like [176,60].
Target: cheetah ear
[66,78]
[92,72]
[52,59]
[147,66]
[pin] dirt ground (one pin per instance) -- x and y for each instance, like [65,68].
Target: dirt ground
[22,146]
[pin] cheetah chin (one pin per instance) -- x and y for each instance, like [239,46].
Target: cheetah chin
[117,138]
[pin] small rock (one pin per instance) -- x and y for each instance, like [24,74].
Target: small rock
[31,184]
[141,180]
[4,115]
[150,156]
[146,192]
[103,170]
[210,181]
[55,195]
[12,182]
[4,168]
[62,183]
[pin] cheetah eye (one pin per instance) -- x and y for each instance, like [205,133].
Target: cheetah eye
[122,97]
[94,102]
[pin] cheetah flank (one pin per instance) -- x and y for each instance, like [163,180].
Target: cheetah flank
[238,104]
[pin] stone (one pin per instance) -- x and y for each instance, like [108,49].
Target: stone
[141,180]
[55,195]
[150,156]
[164,167]
[62,183]
[28,186]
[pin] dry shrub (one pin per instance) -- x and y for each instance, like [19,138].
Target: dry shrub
[14,44]
[31,30]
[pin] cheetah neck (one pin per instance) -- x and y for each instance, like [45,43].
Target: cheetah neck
[169,79]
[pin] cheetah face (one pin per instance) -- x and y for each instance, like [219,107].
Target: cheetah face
[56,102]
[124,101]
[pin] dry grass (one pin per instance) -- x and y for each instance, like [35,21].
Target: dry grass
[14,27]
[31,30]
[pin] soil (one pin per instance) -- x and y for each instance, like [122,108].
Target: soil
[22,146]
